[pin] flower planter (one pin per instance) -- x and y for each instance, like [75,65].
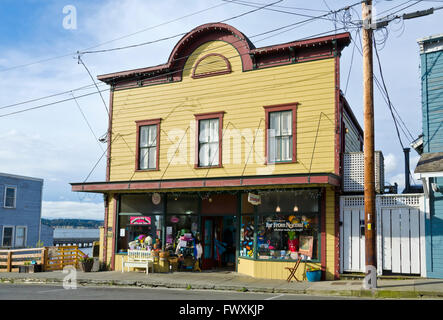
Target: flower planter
[86,266]
[30,268]
[313,275]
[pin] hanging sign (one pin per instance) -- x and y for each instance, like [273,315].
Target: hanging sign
[283,225]
[254,199]
[156,198]
[140,220]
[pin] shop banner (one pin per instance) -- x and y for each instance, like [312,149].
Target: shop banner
[140,220]
[283,225]
[254,199]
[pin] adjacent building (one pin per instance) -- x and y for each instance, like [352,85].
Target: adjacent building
[430,165]
[20,213]
[241,148]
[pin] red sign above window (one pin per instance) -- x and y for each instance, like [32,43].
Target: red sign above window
[140,220]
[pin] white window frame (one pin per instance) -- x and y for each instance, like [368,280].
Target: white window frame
[277,136]
[12,236]
[209,142]
[145,147]
[24,237]
[15,197]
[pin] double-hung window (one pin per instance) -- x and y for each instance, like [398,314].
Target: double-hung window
[280,133]
[20,237]
[7,236]
[209,139]
[10,197]
[147,144]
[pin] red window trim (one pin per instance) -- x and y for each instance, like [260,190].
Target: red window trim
[204,116]
[282,107]
[212,73]
[141,123]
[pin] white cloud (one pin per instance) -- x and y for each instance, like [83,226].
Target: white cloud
[390,163]
[72,210]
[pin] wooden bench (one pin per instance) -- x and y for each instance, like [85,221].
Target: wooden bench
[138,259]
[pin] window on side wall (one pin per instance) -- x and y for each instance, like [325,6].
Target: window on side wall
[7,236]
[20,237]
[209,140]
[10,197]
[280,133]
[148,133]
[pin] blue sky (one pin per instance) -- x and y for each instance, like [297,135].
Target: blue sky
[55,143]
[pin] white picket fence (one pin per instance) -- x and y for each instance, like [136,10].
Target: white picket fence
[400,234]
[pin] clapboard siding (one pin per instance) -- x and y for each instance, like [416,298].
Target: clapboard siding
[242,96]
[352,141]
[432,86]
[27,211]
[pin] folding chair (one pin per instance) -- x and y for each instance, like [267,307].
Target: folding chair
[293,270]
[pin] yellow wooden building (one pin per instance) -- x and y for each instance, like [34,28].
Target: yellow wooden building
[237,147]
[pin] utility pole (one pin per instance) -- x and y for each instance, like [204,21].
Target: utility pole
[370,281]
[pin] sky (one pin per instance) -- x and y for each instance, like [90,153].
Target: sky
[59,141]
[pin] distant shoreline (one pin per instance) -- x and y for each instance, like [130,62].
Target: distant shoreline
[73,223]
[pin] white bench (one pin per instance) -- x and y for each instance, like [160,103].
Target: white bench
[138,259]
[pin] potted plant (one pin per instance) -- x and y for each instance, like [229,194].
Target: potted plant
[313,274]
[86,263]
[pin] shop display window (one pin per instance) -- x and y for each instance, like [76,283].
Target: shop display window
[177,225]
[289,201]
[141,204]
[136,231]
[280,236]
[247,236]
[182,204]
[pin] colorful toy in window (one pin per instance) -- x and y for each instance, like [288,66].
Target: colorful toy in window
[305,222]
[261,239]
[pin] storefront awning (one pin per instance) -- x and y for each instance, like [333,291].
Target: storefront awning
[207,183]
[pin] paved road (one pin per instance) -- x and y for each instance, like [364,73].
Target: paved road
[53,292]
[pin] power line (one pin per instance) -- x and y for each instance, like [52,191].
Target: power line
[180,34]
[49,104]
[113,40]
[45,97]
[185,57]
[95,84]
[383,95]
[86,120]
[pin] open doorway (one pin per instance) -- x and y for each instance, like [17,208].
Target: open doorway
[218,242]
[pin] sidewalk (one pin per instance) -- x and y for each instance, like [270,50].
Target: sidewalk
[386,288]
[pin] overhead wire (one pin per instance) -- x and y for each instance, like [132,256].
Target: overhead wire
[180,34]
[86,120]
[230,57]
[184,57]
[113,40]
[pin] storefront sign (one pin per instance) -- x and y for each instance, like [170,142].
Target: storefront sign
[254,199]
[283,225]
[156,198]
[175,219]
[140,220]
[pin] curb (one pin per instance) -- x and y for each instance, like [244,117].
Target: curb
[361,293]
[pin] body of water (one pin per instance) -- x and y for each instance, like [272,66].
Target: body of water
[78,233]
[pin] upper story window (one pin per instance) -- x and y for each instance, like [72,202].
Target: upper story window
[280,133]
[148,133]
[10,197]
[209,139]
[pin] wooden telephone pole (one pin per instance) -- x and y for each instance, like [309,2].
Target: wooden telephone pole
[370,281]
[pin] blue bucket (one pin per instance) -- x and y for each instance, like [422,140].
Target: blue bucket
[313,275]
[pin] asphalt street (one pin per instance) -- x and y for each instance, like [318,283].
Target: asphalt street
[55,292]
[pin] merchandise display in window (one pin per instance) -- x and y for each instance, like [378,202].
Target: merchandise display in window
[247,237]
